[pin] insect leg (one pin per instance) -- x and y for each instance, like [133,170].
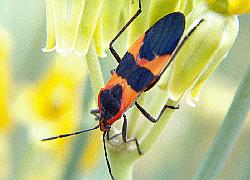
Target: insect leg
[124,135]
[112,71]
[112,137]
[112,50]
[181,44]
[148,116]
[96,113]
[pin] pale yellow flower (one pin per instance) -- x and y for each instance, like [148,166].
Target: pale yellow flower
[202,53]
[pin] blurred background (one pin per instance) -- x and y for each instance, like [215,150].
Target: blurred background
[44,94]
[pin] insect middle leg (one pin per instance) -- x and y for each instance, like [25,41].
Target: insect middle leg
[149,117]
[112,50]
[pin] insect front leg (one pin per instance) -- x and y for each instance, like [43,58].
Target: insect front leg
[112,137]
[112,71]
[111,48]
[96,113]
[124,135]
[149,117]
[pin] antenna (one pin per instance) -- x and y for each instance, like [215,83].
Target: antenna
[72,134]
[106,157]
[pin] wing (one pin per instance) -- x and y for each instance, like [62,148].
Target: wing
[150,53]
[163,37]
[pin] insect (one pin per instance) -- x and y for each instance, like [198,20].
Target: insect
[138,71]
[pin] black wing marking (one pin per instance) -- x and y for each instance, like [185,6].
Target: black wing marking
[163,37]
[137,77]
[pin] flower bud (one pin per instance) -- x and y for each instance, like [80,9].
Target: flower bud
[202,52]
[71,25]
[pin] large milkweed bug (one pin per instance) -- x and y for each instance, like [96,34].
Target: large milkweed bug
[139,70]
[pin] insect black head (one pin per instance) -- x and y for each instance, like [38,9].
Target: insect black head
[110,100]
[104,126]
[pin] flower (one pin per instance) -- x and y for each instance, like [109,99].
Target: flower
[92,152]
[230,6]
[5,101]
[52,106]
[238,7]
[5,79]
[202,53]
[71,25]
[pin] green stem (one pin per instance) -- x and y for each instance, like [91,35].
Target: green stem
[228,133]
[122,163]
[79,144]
[155,132]
[122,171]
[94,69]
[134,116]
[96,79]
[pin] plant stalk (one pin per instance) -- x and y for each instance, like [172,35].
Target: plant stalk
[94,70]
[228,133]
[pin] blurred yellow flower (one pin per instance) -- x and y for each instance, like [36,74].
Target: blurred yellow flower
[91,155]
[54,102]
[238,6]
[5,79]
[5,111]
[230,6]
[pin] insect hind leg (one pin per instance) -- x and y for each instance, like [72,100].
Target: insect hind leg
[149,117]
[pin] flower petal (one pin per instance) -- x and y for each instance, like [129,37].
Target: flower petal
[50,27]
[67,14]
[98,39]
[87,26]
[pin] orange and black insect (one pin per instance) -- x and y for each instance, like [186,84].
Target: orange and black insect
[138,71]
